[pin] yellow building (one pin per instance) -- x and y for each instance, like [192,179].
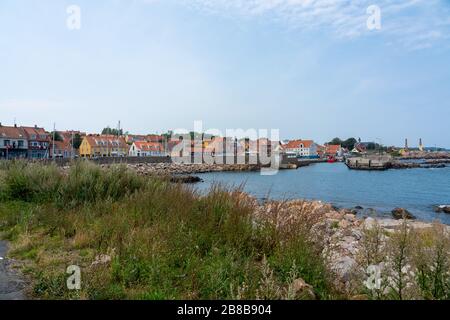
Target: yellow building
[103,146]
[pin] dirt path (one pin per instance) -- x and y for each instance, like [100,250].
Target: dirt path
[11,285]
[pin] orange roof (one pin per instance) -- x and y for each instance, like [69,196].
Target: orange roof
[295,144]
[39,133]
[61,145]
[149,146]
[12,132]
[332,148]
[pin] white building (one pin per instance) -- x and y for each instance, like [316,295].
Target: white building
[146,149]
[301,148]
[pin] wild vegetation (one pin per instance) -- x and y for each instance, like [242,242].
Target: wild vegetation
[146,238]
[140,237]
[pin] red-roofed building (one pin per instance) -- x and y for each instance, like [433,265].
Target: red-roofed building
[103,146]
[13,142]
[301,148]
[333,150]
[38,142]
[146,149]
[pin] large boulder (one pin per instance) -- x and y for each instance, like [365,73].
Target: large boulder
[443,208]
[401,213]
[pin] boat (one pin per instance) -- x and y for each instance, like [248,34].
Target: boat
[331,159]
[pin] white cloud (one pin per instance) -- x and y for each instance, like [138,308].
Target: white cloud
[412,23]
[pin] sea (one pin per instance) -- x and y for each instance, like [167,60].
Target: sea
[419,190]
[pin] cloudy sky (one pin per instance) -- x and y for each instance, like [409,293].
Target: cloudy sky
[310,68]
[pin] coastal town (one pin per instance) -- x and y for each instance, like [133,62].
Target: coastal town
[34,142]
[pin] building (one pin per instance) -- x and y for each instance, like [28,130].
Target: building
[321,150]
[13,142]
[38,142]
[103,146]
[301,148]
[334,150]
[146,149]
[61,149]
[131,138]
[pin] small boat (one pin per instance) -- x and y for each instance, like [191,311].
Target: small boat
[331,159]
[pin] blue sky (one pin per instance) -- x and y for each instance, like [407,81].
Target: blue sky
[309,68]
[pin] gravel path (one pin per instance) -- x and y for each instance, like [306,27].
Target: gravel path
[11,285]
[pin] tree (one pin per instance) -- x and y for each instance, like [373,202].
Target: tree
[348,144]
[336,141]
[77,141]
[55,135]
[114,132]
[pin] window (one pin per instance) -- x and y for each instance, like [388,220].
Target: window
[20,143]
[6,143]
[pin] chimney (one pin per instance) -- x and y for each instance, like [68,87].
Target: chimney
[15,125]
[35,126]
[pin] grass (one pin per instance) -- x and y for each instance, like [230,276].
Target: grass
[162,240]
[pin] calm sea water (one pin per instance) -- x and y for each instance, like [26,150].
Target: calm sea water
[417,190]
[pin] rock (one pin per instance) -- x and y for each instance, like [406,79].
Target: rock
[101,259]
[369,223]
[359,208]
[401,213]
[343,224]
[343,267]
[349,217]
[300,289]
[185,179]
[443,208]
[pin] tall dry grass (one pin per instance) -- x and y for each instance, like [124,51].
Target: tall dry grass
[146,238]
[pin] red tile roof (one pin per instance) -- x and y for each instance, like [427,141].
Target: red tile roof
[149,146]
[36,133]
[12,132]
[332,148]
[295,144]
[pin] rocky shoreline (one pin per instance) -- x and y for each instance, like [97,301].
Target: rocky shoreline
[183,169]
[340,231]
[427,163]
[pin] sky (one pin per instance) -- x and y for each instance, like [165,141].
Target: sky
[310,68]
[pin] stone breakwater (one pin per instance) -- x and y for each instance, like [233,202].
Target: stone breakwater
[339,232]
[427,163]
[183,169]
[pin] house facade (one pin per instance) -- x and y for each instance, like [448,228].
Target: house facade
[13,143]
[146,149]
[103,146]
[61,149]
[38,142]
[301,148]
[333,150]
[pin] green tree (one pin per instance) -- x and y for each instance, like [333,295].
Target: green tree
[55,135]
[111,131]
[77,141]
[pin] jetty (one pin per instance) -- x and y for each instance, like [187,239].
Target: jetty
[387,162]
[369,163]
